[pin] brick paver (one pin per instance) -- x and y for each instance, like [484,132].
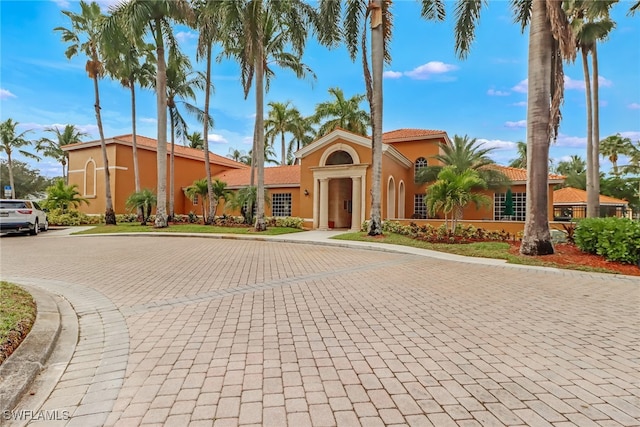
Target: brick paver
[199,331]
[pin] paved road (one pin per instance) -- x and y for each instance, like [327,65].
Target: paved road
[200,331]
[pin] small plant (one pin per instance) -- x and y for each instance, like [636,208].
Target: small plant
[617,239]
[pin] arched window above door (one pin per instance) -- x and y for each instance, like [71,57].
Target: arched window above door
[339,157]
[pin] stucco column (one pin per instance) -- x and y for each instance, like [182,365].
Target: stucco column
[356,202]
[324,204]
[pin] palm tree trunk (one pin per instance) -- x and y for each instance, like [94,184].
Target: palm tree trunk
[596,129]
[109,214]
[537,237]
[134,143]
[284,151]
[65,175]
[11,183]
[591,195]
[377,58]
[260,224]
[161,105]
[172,171]
[207,161]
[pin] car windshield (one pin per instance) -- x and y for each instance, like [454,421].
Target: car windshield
[12,204]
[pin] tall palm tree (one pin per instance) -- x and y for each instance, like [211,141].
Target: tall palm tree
[123,63]
[239,156]
[521,160]
[85,36]
[343,113]
[590,22]
[613,146]
[465,154]
[258,33]
[53,147]
[279,121]
[208,23]
[303,134]
[550,41]
[10,142]
[154,17]
[575,172]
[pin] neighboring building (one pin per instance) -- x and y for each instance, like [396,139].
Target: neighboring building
[570,203]
[330,188]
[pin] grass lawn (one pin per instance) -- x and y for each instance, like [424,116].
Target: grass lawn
[496,250]
[17,314]
[186,228]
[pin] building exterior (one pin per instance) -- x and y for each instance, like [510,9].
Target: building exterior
[570,203]
[329,188]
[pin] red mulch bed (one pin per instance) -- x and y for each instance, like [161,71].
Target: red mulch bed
[568,254]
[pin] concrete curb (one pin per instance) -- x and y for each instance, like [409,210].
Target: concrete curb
[20,369]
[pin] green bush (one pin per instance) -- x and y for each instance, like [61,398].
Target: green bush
[72,217]
[429,233]
[290,222]
[616,239]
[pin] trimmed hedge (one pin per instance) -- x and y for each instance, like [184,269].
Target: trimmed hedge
[56,217]
[616,239]
[429,233]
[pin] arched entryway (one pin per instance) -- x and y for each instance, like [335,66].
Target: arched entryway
[338,184]
[391,198]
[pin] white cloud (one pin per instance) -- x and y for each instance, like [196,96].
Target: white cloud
[425,71]
[62,3]
[148,120]
[493,92]
[520,104]
[217,139]
[184,36]
[5,94]
[392,74]
[570,141]
[521,87]
[516,125]
[632,135]
[248,140]
[497,144]
[634,106]
[569,83]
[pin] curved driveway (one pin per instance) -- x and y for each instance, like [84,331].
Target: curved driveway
[204,331]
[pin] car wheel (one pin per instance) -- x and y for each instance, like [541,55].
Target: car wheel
[45,226]
[36,229]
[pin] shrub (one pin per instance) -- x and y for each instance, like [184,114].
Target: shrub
[72,217]
[290,222]
[429,233]
[616,239]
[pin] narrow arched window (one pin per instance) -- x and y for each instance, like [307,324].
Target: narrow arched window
[418,165]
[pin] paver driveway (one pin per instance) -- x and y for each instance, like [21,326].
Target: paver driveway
[200,331]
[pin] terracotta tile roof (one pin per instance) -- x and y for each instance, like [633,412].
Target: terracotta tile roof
[570,195]
[517,174]
[150,143]
[279,176]
[400,134]
[181,150]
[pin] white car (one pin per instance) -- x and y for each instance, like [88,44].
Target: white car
[21,216]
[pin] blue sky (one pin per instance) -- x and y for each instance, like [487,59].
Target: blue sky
[426,85]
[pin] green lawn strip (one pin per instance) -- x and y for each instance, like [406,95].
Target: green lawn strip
[17,314]
[186,228]
[496,250]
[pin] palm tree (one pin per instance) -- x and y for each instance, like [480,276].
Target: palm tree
[590,22]
[575,172]
[342,113]
[143,201]
[612,146]
[465,154]
[520,161]
[195,140]
[208,22]
[454,190]
[122,63]
[331,29]
[550,41]
[53,147]
[303,135]
[62,196]
[199,188]
[10,142]
[279,122]
[220,191]
[259,32]
[239,156]
[155,16]
[244,200]
[84,36]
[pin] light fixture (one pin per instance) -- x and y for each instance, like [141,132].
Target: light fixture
[306,192]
